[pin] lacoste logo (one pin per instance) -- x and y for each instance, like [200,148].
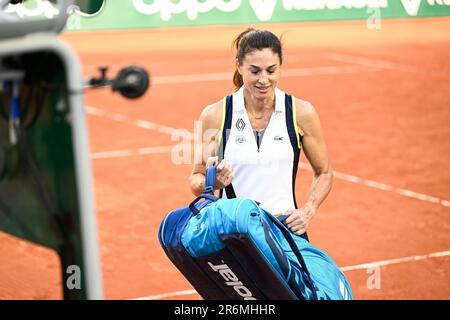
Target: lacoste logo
[278,138]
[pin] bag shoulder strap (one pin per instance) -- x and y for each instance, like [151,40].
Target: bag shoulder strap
[288,236]
[226,127]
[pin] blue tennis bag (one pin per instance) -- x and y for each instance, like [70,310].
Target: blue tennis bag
[232,249]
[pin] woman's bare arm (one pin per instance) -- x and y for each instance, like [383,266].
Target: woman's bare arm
[316,152]
[205,148]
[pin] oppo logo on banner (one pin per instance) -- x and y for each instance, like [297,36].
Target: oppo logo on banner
[264,9]
[167,8]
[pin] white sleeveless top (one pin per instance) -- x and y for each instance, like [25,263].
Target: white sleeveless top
[265,174]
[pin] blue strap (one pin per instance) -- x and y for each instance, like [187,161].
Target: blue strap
[283,217]
[280,256]
[287,234]
[208,191]
[210,180]
[206,196]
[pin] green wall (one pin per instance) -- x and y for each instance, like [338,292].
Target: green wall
[125,14]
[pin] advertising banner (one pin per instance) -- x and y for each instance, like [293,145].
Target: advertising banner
[126,14]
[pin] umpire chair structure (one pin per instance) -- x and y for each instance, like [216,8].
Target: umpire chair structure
[46,190]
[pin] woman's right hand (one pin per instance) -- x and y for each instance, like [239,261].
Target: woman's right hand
[225,172]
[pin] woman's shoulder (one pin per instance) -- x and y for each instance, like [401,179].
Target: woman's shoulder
[304,107]
[211,115]
[306,115]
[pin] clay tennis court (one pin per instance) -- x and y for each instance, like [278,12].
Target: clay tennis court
[384,103]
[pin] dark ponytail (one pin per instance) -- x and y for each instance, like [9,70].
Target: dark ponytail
[251,40]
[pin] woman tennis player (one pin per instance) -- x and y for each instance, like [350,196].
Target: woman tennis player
[259,132]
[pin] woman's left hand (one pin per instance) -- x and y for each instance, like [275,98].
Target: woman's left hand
[298,220]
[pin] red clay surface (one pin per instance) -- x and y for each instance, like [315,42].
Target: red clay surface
[387,120]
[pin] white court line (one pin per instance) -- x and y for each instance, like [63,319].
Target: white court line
[167,295]
[396,261]
[302,72]
[344,269]
[382,64]
[362,61]
[144,124]
[296,72]
[302,165]
[358,64]
[130,152]
[382,186]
